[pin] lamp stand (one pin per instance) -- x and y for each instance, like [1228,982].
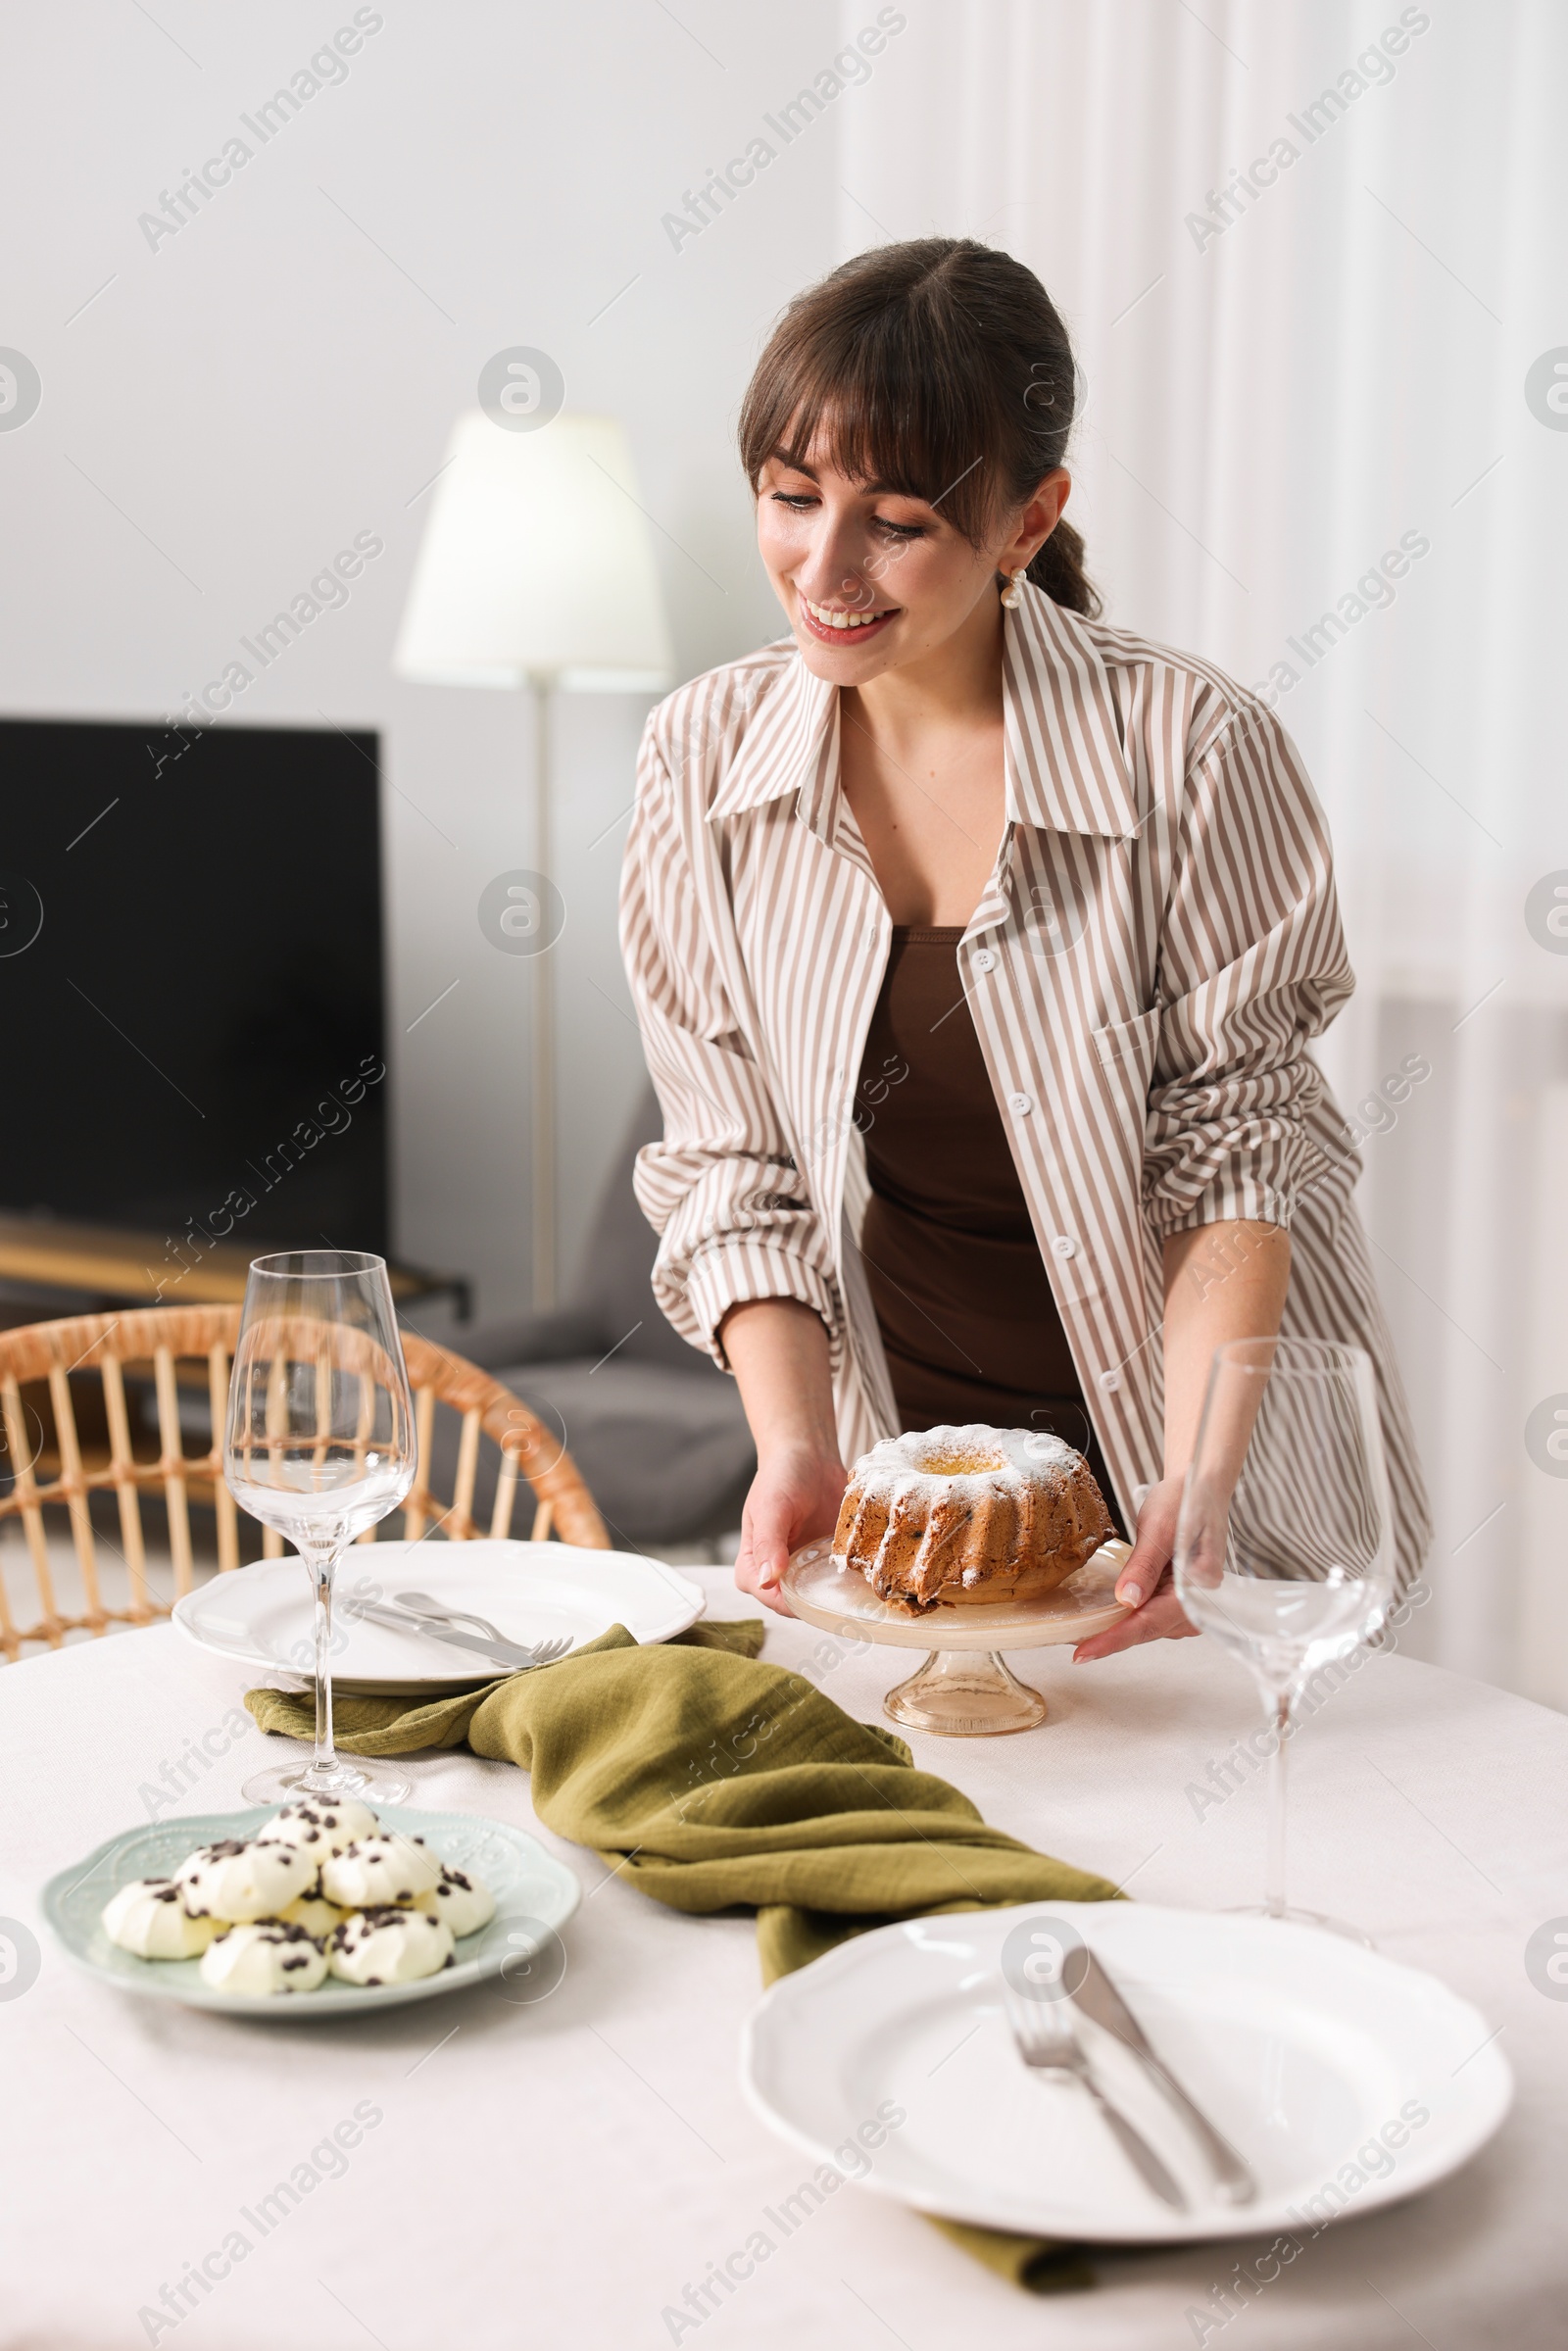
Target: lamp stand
[543,1104]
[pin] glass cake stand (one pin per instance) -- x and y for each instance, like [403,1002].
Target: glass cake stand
[964,1689]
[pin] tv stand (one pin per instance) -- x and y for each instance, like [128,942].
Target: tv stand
[116,1267]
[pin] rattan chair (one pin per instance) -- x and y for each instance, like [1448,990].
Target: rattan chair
[77,1396]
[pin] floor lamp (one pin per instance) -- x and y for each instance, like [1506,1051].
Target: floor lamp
[537,569]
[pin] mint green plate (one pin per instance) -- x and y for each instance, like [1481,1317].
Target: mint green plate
[535,1895]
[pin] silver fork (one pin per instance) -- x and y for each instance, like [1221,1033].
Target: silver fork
[420,1603]
[1043,2032]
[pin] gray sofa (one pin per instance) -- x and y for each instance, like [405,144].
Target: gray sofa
[656,1427]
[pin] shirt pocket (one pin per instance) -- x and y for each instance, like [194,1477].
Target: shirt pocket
[1134,1041]
[1111,1212]
[1125,1051]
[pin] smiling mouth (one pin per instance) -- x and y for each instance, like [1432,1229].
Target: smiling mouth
[830,626]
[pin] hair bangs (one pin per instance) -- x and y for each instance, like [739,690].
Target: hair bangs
[872,405]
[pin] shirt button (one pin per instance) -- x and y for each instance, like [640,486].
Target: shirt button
[1020,1104]
[1066,1245]
[984,960]
[1111,1381]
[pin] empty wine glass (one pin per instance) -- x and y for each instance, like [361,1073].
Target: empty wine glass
[321,1443]
[1284,1540]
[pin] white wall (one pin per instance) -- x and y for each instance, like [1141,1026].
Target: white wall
[236,403]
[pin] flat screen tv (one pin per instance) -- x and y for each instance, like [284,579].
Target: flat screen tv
[191,999]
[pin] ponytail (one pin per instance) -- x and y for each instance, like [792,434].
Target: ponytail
[1059,569]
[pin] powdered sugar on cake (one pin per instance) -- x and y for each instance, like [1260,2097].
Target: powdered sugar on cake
[931,1463]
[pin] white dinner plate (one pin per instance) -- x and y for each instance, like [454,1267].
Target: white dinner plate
[535,1895]
[1346,2080]
[260,1616]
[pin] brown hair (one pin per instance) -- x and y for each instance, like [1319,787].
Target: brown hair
[939,367]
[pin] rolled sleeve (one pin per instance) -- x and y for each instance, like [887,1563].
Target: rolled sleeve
[734,1271]
[734,1214]
[1253,968]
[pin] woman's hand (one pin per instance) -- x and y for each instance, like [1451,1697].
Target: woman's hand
[778,1351]
[1146,1582]
[794,1497]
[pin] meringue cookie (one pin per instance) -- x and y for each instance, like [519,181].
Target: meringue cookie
[264,1958]
[462,1902]
[243,1882]
[377,1871]
[316,1914]
[322,1828]
[149,1919]
[389,1945]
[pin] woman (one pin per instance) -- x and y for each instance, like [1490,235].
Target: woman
[976,947]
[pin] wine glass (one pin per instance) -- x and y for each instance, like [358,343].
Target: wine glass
[321,1443]
[1284,1540]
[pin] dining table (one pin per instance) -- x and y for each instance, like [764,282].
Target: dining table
[557,2163]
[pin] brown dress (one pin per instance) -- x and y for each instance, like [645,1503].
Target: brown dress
[968,1322]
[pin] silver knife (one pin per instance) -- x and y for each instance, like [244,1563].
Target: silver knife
[500,1652]
[1098,1997]
[1044,2035]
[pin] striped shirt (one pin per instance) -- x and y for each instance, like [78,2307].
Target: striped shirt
[1156,944]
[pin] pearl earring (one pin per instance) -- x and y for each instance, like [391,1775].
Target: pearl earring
[1012,594]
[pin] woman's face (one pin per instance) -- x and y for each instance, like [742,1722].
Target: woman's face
[871,579]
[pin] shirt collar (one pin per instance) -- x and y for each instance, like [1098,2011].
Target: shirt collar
[788,744]
[1065,768]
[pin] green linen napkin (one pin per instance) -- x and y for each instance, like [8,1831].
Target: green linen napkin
[709,1779]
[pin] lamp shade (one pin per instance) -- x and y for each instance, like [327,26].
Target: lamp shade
[537,561]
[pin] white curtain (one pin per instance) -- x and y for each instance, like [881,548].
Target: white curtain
[1346,358]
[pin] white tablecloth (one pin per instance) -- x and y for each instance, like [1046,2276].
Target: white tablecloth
[557,2175]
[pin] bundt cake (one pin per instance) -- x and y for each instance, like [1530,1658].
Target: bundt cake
[973,1515]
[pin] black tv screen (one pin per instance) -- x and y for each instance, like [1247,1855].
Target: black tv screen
[191,1000]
